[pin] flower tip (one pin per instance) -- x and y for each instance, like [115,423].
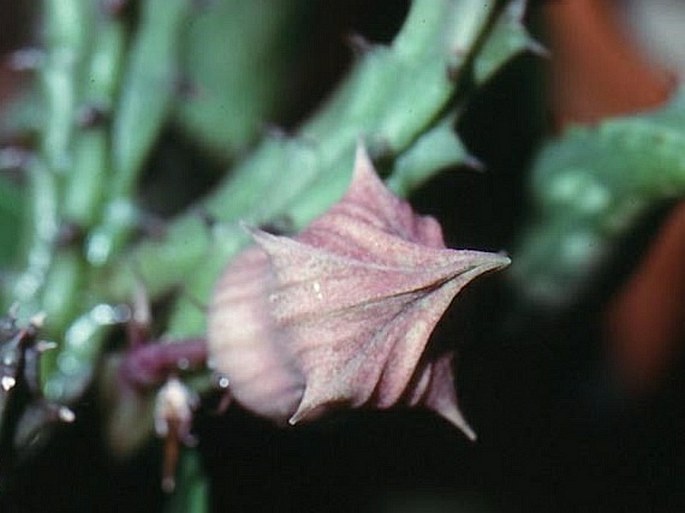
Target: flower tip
[312,404]
[449,411]
[301,414]
[470,434]
[503,259]
[454,417]
[494,262]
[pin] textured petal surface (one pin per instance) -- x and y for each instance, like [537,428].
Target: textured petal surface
[246,345]
[341,314]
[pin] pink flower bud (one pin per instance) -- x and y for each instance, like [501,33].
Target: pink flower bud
[341,314]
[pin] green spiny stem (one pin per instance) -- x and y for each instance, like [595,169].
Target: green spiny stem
[508,37]
[66,33]
[84,191]
[64,288]
[64,36]
[149,86]
[389,112]
[392,94]
[42,225]
[72,368]
[61,289]
[76,196]
[160,264]
[150,83]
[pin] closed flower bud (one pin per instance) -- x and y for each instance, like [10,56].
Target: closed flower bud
[341,314]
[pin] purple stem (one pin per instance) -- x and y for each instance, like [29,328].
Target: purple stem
[149,365]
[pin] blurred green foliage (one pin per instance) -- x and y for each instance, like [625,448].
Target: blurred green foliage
[589,188]
[234,58]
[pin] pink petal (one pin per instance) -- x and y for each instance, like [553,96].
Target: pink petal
[342,314]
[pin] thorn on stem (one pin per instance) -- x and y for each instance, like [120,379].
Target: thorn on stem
[186,89]
[274,131]
[359,45]
[474,164]
[92,115]
[70,234]
[452,72]
[207,218]
[152,226]
[456,64]
[537,48]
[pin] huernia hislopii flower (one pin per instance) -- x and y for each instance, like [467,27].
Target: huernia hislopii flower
[341,314]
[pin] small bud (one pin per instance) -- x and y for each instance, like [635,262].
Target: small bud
[174,407]
[186,89]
